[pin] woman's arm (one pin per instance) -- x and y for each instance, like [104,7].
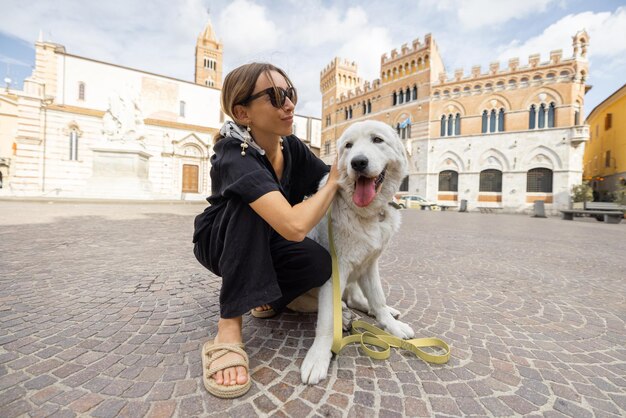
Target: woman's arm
[294,222]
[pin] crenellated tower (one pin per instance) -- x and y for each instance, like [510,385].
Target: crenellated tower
[208,58]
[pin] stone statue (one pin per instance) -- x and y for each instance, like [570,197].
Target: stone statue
[123,120]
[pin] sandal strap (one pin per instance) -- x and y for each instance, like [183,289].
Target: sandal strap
[216,351]
[234,363]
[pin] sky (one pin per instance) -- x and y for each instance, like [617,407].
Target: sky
[302,36]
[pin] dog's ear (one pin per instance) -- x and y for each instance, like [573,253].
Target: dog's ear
[399,149]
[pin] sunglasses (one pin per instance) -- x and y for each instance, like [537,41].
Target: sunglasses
[277,95]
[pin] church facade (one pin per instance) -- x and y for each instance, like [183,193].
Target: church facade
[83,128]
[502,138]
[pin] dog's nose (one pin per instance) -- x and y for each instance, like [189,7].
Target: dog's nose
[359,163]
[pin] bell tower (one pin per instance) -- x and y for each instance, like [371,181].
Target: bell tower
[208,58]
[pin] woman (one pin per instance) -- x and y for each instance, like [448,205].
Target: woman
[254,233]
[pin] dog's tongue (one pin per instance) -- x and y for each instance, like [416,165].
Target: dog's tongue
[364,192]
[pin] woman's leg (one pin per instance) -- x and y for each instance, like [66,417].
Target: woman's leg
[229,331]
[300,267]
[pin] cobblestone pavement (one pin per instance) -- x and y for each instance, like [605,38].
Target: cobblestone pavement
[103,310]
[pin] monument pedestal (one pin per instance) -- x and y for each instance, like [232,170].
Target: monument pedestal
[120,171]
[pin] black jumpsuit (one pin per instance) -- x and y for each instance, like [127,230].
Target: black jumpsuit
[257,265]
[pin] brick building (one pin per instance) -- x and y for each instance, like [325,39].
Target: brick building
[501,138]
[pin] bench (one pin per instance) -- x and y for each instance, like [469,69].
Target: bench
[485,209]
[608,216]
[610,206]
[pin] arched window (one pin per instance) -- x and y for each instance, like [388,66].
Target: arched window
[531,117]
[457,124]
[369,107]
[539,180]
[346,110]
[492,121]
[364,108]
[400,97]
[448,181]
[414,93]
[81,91]
[350,112]
[551,110]
[485,120]
[490,181]
[443,126]
[407,94]
[541,120]
[577,117]
[395,98]
[501,120]
[73,144]
[450,125]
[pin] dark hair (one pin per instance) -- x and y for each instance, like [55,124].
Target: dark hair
[239,85]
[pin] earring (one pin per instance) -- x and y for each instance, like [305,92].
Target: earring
[281,143]
[244,144]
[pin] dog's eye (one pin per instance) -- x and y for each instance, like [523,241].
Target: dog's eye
[377,140]
[348,144]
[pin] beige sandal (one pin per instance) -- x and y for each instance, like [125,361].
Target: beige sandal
[268,313]
[212,351]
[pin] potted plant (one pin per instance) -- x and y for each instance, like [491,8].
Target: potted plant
[581,193]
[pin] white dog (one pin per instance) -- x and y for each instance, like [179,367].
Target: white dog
[372,163]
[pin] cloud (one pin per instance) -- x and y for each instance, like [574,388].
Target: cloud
[477,14]
[12,61]
[607,32]
[246,29]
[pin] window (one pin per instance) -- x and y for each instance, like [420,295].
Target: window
[81,91]
[327,147]
[404,186]
[414,93]
[541,119]
[364,108]
[490,181]
[350,112]
[608,121]
[539,180]
[443,126]
[607,159]
[407,94]
[450,125]
[182,109]
[492,121]
[484,122]
[395,98]
[551,110]
[400,97]
[532,115]
[369,106]
[448,181]
[73,145]
[501,120]
[457,124]
[577,118]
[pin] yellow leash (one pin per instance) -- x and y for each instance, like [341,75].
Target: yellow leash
[369,335]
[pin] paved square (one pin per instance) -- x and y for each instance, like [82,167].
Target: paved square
[103,309]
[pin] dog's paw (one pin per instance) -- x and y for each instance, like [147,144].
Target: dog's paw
[394,312]
[314,368]
[399,329]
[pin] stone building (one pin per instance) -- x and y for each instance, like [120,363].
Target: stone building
[84,128]
[501,138]
[605,153]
